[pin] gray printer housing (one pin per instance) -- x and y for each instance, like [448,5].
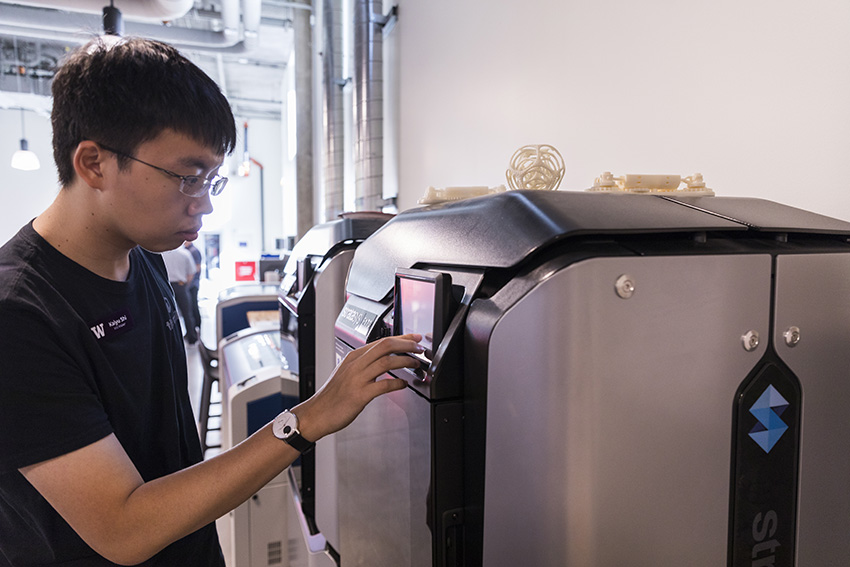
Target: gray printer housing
[568,420]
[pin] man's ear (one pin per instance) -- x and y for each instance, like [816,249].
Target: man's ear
[88,163]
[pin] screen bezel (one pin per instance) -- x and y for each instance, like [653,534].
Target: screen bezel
[442,297]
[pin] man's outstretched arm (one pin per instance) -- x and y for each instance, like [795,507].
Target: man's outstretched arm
[99,492]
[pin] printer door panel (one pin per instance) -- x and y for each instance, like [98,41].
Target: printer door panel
[813,295]
[609,420]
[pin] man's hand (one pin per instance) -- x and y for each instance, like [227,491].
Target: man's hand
[354,383]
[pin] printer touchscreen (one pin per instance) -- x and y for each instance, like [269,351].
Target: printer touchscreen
[417,310]
[421,305]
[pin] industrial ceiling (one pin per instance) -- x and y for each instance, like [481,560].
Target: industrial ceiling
[243,44]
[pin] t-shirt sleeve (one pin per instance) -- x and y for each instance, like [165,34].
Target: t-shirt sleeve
[48,402]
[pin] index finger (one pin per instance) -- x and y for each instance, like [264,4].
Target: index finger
[397,345]
[372,352]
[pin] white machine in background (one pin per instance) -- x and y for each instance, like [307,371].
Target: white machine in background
[242,306]
[255,388]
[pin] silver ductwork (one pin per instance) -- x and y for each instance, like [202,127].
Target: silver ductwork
[251,20]
[81,25]
[230,19]
[368,105]
[153,10]
[333,157]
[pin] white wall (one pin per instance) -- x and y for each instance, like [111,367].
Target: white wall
[753,95]
[24,194]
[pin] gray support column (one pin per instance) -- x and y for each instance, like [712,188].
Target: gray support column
[334,118]
[368,105]
[304,117]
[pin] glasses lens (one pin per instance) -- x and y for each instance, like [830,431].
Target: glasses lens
[195,187]
[192,186]
[217,185]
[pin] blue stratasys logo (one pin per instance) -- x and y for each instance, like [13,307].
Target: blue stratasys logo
[770,426]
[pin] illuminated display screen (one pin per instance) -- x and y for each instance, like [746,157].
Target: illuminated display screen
[417,309]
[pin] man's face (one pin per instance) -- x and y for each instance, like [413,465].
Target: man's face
[145,205]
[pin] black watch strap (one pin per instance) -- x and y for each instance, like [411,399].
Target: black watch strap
[298,443]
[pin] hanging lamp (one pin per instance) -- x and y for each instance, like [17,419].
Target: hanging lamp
[25,159]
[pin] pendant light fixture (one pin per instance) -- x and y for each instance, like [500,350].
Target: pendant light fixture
[24,159]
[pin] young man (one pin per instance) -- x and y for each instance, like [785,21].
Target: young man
[100,460]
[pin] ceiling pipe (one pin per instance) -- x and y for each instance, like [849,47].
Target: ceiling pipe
[153,10]
[183,37]
[251,13]
[51,20]
[207,47]
[267,107]
[78,27]
[230,18]
[49,35]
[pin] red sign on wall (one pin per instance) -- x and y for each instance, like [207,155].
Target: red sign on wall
[246,271]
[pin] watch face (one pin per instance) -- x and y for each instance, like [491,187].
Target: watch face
[284,425]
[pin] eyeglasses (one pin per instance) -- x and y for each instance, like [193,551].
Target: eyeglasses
[190,185]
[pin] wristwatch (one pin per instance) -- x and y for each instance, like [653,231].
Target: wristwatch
[285,427]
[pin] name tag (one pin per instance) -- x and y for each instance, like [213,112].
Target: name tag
[114,325]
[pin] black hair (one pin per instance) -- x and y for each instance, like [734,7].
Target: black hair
[125,93]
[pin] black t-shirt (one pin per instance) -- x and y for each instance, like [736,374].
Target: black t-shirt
[82,357]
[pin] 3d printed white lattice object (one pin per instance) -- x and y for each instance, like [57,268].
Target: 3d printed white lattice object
[538,166]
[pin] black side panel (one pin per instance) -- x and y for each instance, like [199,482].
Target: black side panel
[306,388]
[447,484]
[765,467]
